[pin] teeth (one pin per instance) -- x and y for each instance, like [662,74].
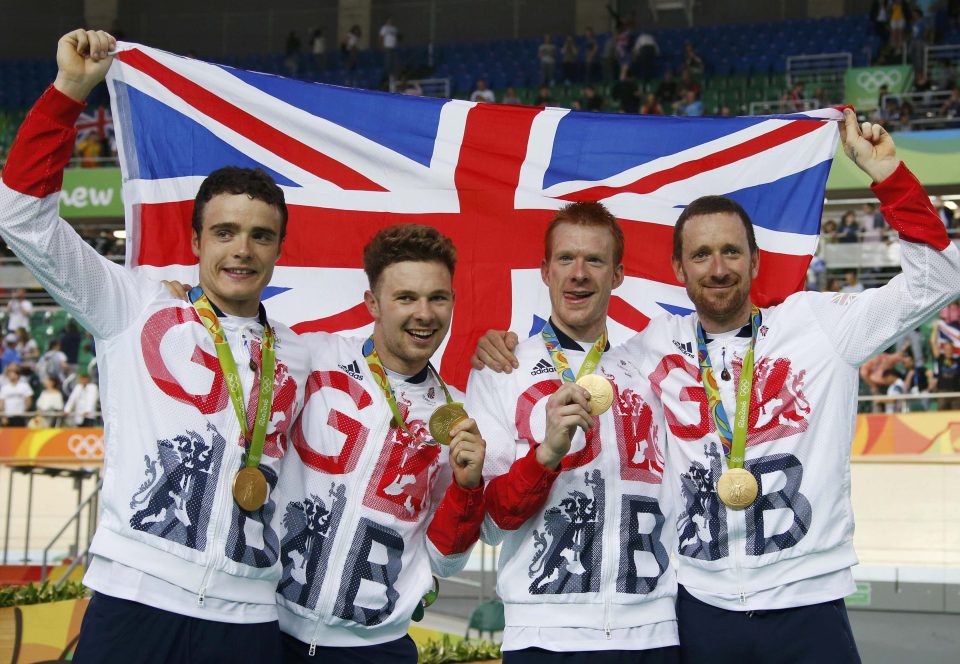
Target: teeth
[421,335]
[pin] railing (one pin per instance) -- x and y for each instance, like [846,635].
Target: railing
[783,106]
[428,87]
[933,56]
[89,504]
[926,108]
[821,68]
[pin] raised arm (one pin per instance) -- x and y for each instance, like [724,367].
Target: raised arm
[860,326]
[103,296]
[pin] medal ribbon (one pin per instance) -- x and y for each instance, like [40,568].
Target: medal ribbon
[734,442]
[380,376]
[268,365]
[559,360]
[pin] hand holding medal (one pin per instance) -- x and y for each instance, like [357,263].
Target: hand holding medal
[467,451]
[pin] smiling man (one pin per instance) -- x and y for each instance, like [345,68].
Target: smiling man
[378,504]
[759,409]
[197,399]
[584,572]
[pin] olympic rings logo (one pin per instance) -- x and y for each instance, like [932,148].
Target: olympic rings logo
[86,446]
[872,80]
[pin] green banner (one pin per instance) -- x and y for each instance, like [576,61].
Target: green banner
[931,155]
[91,192]
[863,84]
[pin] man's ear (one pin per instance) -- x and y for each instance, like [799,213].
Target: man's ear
[195,243]
[754,264]
[370,300]
[678,271]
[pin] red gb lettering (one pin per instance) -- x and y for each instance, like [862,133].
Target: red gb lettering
[152,336]
[694,393]
[525,405]
[405,470]
[281,410]
[356,434]
[640,457]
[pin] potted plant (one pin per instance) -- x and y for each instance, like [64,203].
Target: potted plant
[40,622]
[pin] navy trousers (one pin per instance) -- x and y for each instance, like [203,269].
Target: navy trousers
[401,651]
[118,630]
[812,634]
[669,655]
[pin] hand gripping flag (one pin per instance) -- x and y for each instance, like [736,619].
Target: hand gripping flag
[489,176]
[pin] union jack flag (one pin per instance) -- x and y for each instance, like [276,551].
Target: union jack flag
[488,176]
[99,120]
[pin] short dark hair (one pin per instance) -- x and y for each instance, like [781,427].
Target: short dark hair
[712,205]
[406,242]
[586,213]
[254,182]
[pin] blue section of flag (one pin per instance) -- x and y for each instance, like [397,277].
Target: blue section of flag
[537,325]
[591,146]
[412,124]
[197,150]
[674,309]
[764,203]
[270,291]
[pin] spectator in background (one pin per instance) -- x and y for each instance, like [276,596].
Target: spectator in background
[646,52]
[872,223]
[849,230]
[627,92]
[592,101]
[16,397]
[904,118]
[83,403]
[946,214]
[667,91]
[895,388]
[608,62]
[28,348]
[510,97]
[651,106]
[792,100]
[547,55]
[833,285]
[482,93]
[887,114]
[53,363]
[10,355]
[570,57]
[389,38]
[590,53]
[829,231]
[544,97]
[918,380]
[950,108]
[946,373]
[898,21]
[318,47]
[19,309]
[49,404]
[874,374]
[691,106]
[90,149]
[852,282]
[692,61]
[292,54]
[70,340]
[688,83]
[350,49]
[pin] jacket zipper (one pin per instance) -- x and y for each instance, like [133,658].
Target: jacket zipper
[347,518]
[227,490]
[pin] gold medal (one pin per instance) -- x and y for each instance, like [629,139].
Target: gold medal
[737,488]
[445,418]
[250,488]
[601,392]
